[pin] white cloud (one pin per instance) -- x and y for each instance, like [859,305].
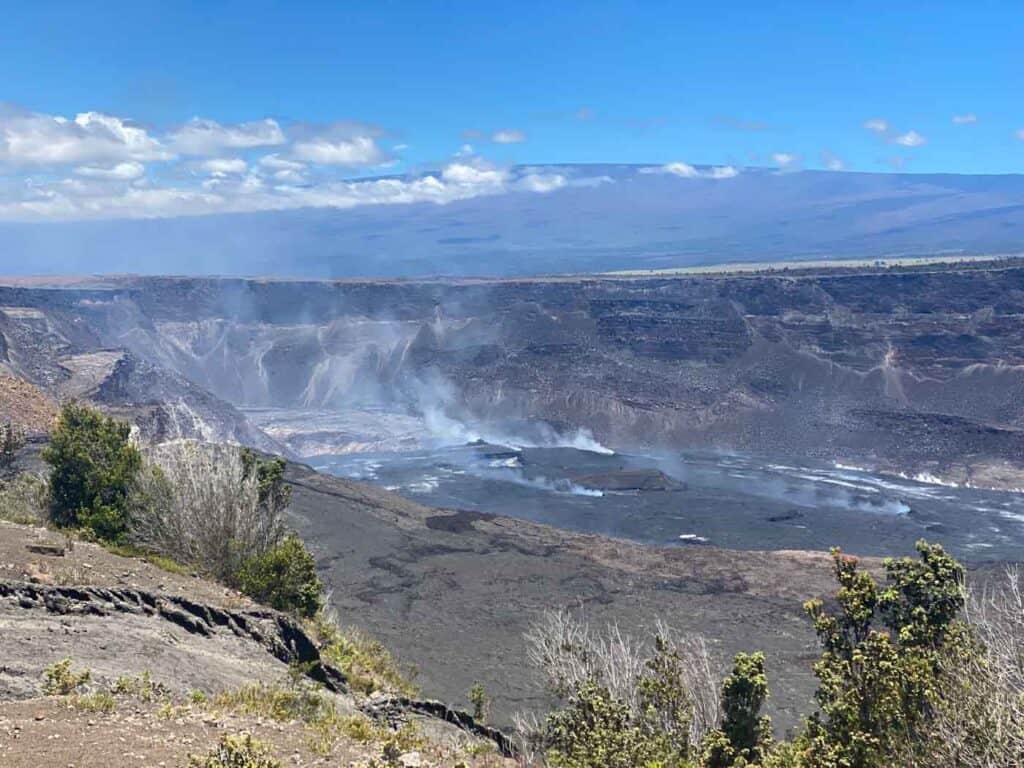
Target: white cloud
[508,136]
[687,171]
[473,175]
[97,166]
[684,170]
[288,176]
[785,159]
[542,182]
[30,138]
[877,125]
[275,162]
[910,139]
[723,172]
[200,136]
[459,180]
[969,119]
[126,171]
[832,162]
[224,166]
[351,153]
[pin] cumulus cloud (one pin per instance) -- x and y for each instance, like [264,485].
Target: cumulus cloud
[723,172]
[127,171]
[687,171]
[877,125]
[350,153]
[541,182]
[208,137]
[683,170]
[98,166]
[225,166]
[275,162]
[508,136]
[969,119]
[785,160]
[832,162]
[30,138]
[459,180]
[910,139]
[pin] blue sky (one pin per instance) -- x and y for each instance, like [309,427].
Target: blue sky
[375,88]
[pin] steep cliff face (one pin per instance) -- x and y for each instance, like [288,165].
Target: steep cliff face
[906,366]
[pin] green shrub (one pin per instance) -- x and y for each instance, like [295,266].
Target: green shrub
[745,736]
[596,731]
[142,687]
[284,578]
[60,680]
[481,702]
[880,670]
[269,474]
[92,464]
[236,751]
[100,702]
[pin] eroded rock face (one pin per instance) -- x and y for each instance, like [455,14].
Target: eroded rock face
[898,366]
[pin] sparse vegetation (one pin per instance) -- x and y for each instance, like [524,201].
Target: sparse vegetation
[25,499]
[93,465]
[906,677]
[366,662]
[622,703]
[142,687]
[59,679]
[237,751]
[98,702]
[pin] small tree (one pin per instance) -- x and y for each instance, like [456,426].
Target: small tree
[624,703]
[745,737]
[880,672]
[481,702]
[284,578]
[92,464]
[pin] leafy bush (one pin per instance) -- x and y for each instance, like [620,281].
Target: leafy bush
[283,578]
[978,721]
[481,702]
[905,678]
[880,670]
[237,751]
[623,703]
[60,680]
[92,466]
[745,736]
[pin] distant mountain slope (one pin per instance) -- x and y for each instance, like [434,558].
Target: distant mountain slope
[602,218]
